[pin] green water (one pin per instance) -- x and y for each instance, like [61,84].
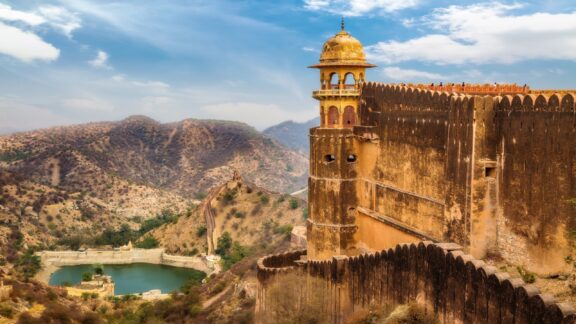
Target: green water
[131,278]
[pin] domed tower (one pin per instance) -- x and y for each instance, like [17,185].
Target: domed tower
[342,72]
[332,198]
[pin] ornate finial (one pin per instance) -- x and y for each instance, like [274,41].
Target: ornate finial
[342,25]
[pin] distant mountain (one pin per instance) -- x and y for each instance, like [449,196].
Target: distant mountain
[82,178]
[292,134]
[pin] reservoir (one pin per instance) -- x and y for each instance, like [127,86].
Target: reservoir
[131,278]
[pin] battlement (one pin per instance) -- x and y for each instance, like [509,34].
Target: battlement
[439,276]
[389,97]
[471,88]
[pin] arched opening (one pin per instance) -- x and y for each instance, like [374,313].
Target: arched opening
[322,117]
[349,116]
[324,86]
[333,116]
[334,80]
[349,81]
[351,158]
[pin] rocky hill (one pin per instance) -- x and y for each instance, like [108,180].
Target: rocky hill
[252,216]
[293,135]
[80,180]
[186,157]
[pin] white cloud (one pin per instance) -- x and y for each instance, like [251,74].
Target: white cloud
[408,75]
[25,46]
[358,7]
[100,61]
[310,49]
[9,14]
[87,104]
[485,33]
[19,39]
[61,19]
[152,86]
[255,114]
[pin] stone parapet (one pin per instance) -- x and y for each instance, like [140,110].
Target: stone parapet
[438,276]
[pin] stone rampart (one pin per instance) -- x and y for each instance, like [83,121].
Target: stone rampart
[492,173]
[454,286]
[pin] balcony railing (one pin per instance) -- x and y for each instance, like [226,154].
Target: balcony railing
[336,92]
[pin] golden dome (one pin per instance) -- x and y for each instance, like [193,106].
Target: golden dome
[343,50]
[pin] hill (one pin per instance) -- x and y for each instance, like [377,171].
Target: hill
[292,134]
[252,216]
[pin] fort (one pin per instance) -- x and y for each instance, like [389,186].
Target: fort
[395,169]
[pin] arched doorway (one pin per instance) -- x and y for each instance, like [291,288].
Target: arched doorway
[333,117]
[349,117]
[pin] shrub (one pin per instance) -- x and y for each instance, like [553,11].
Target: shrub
[527,276]
[86,276]
[149,242]
[201,230]
[284,229]
[224,244]
[294,204]
[6,311]
[28,264]
[264,199]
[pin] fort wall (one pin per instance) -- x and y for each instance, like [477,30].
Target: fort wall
[52,259]
[454,286]
[492,173]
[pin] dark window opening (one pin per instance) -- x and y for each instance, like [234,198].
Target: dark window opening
[351,158]
[329,158]
[490,172]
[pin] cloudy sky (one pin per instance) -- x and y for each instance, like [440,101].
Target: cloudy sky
[71,61]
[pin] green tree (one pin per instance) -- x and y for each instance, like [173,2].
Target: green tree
[294,203]
[28,264]
[87,276]
[149,242]
[224,244]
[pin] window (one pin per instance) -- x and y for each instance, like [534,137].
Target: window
[351,158]
[490,172]
[329,158]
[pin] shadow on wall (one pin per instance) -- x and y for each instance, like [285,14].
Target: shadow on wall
[438,277]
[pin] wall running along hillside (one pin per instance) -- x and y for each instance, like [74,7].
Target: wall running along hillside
[454,286]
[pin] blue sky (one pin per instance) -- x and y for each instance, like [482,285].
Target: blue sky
[72,61]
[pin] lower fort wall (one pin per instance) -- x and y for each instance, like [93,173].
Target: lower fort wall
[152,256]
[438,276]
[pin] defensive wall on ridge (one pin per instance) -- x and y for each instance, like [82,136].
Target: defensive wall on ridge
[489,169]
[439,277]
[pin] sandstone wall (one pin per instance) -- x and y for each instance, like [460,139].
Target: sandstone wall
[440,277]
[536,163]
[491,173]
[422,174]
[153,256]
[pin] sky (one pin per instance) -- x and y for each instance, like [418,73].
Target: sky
[74,61]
